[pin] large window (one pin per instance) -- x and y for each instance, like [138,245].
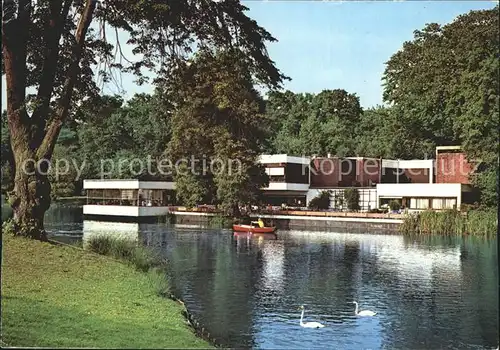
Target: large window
[433,203]
[125,197]
[419,203]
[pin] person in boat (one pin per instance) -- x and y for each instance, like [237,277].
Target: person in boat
[259,223]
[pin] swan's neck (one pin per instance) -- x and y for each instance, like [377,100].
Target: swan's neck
[302,317]
[356,310]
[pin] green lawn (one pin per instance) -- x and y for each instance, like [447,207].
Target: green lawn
[56,296]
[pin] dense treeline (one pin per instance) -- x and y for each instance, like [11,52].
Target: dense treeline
[441,88]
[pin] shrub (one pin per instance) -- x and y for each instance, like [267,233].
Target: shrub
[160,281]
[321,201]
[351,196]
[124,249]
[99,244]
[338,200]
[8,227]
[451,222]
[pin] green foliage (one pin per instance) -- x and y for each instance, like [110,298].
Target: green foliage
[321,201]
[410,225]
[160,282]
[125,134]
[394,205]
[138,256]
[218,117]
[380,134]
[219,221]
[338,200]
[8,226]
[313,124]
[451,222]
[60,50]
[482,222]
[444,90]
[351,196]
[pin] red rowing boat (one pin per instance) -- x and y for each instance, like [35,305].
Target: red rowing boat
[249,228]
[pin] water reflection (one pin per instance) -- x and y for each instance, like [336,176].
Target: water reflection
[429,293]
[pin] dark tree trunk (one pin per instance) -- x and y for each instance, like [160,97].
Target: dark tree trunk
[235,211]
[30,197]
[33,138]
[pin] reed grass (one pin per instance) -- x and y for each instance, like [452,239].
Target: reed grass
[451,222]
[126,250]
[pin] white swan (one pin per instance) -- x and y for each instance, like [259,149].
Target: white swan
[364,312]
[308,324]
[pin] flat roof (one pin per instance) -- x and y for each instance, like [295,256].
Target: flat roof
[126,184]
[283,158]
[408,164]
[447,148]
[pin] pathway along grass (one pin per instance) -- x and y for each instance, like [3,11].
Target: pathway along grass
[57,296]
[481,223]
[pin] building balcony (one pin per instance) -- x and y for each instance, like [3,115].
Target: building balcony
[286,186]
[124,210]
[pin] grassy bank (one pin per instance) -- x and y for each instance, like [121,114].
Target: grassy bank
[481,223]
[56,296]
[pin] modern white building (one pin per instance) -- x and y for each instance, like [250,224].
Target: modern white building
[295,181]
[417,196]
[414,170]
[289,179]
[127,198]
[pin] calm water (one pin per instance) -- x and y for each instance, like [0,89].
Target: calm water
[429,293]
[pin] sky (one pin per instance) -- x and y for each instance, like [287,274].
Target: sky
[336,44]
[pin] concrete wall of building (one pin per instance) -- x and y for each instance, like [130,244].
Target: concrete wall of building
[325,172]
[411,190]
[453,167]
[296,173]
[368,171]
[415,175]
[344,172]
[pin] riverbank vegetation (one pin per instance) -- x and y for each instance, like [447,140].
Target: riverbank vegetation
[483,223]
[59,296]
[138,256]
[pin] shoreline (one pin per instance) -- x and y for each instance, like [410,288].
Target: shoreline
[87,296]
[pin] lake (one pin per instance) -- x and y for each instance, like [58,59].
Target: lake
[428,292]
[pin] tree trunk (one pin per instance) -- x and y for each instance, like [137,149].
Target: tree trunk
[235,211]
[30,197]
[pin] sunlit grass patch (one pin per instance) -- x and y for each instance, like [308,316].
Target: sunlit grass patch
[57,296]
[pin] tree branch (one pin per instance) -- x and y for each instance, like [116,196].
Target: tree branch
[53,30]
[14,46]
[47,146]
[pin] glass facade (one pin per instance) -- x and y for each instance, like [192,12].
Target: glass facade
[140,197]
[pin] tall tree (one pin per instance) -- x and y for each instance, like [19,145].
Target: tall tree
[380,133]
[218,117]
[444,87]
[314,124]
[52,47]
